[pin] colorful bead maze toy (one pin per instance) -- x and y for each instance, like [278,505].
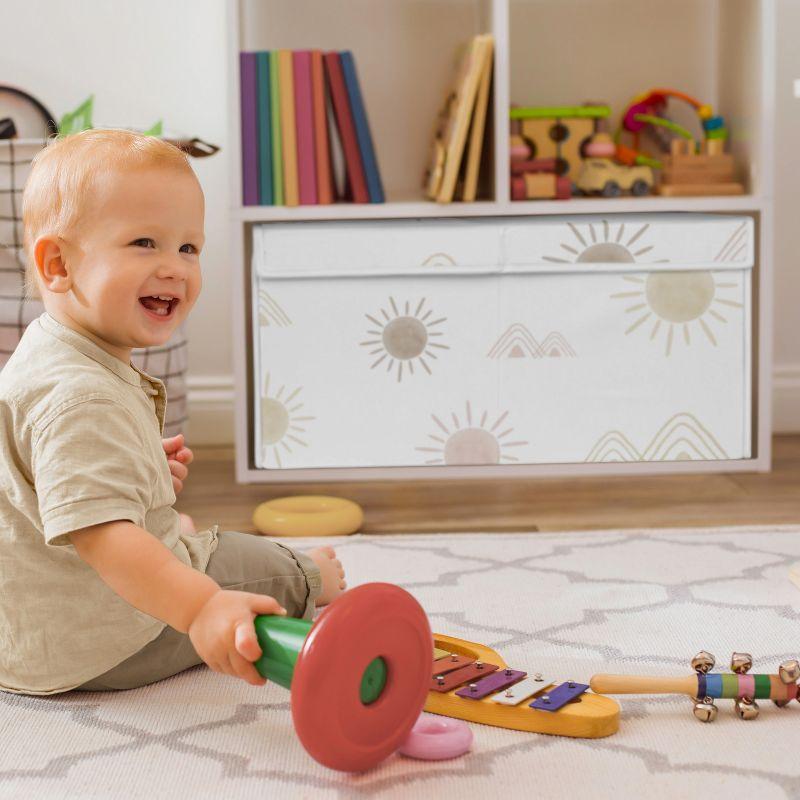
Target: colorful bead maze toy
[689,168]
[472,682]
[704,687]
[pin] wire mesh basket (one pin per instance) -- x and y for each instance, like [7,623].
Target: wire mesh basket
[169,362]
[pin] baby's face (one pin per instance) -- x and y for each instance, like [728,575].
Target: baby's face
[135,258]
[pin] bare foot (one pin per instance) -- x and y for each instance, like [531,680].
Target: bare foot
[187,524]
[330,568]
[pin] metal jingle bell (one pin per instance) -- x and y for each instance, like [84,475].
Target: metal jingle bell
[746,708]
[741,663]
[705,710]
[703,662]
[789,671]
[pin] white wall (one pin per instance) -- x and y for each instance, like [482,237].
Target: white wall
[150,59]
[146,60]
[787,230]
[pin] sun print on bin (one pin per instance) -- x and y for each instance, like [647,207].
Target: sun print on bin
[599,244]
[671,301]
[667,301]
[473,443]
[281,423]
[402,339]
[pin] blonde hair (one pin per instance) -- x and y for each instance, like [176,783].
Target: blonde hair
[63,174]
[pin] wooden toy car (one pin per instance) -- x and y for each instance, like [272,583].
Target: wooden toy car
[604,176]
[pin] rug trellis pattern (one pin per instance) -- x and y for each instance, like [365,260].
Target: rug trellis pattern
[568,605]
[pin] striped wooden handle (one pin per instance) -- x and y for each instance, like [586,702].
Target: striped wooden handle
[714,685]
[641,684]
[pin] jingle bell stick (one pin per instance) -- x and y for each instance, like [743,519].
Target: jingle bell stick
[716,686]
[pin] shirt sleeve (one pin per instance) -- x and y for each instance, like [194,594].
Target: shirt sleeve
[89,467]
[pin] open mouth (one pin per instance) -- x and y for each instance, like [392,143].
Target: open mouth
[159,306]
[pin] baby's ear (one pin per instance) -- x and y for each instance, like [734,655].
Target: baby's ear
[48,253]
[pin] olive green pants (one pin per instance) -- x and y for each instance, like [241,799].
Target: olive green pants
[243,562]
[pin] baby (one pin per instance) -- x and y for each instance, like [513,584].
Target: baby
[103,585]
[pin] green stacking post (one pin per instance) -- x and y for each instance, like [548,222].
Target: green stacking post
[281,640]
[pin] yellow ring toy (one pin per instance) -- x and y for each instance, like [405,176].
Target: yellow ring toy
[311,515]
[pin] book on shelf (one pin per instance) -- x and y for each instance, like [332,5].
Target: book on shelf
[304,130]
[249,113]
[476,138]
[346,126]
[326,192]
[264,130]
[275,119]
[368,160]
[304,127]
[454,120]
[291,189]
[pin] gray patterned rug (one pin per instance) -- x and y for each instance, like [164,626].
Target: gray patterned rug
[567,605]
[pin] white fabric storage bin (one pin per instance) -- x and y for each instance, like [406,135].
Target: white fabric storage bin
[502,341]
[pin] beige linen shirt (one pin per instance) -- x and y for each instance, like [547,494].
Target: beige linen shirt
[80,443]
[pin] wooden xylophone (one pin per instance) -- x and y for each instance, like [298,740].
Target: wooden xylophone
[472,682]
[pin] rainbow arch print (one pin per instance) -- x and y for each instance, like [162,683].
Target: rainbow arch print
[681,438]
[518,342]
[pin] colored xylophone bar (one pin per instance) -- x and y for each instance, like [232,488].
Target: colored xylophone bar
[733,686]
[479,680]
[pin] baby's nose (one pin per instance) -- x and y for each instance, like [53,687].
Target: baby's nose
[172,266]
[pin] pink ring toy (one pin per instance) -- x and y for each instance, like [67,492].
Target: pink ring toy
[437,738]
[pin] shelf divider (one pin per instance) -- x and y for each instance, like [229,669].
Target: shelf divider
[502,184]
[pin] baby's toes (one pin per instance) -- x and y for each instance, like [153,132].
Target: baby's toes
[329,551]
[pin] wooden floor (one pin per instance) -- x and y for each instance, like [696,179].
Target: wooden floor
[211,495]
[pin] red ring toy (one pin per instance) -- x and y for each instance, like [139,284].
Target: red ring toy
[335,727]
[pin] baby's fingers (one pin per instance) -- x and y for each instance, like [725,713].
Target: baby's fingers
[180,471]
[243,669]
[264,604]
[185,455]
[246,642]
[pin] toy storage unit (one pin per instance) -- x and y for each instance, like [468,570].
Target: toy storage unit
[499,346]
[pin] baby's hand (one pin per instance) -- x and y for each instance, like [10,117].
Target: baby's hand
[224,636]
[178,458]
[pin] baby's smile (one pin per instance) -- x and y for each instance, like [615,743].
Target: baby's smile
[160,307]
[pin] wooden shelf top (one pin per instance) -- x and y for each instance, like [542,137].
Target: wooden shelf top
[410,208]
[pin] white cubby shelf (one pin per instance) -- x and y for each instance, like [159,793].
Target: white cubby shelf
[547,52]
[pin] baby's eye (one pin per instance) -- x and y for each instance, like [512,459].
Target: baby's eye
[144,242]
[191,248]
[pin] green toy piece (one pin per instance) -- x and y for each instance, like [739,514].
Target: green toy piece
[81,120]
[554,112]
[78,120]
[282,638]
[157,129]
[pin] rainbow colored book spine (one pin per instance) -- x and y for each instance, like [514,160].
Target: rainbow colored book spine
[346,128]
[249,117]
[304,125]
[275,121]
[264,130]
[288,131]
[363,135]
[325,189]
